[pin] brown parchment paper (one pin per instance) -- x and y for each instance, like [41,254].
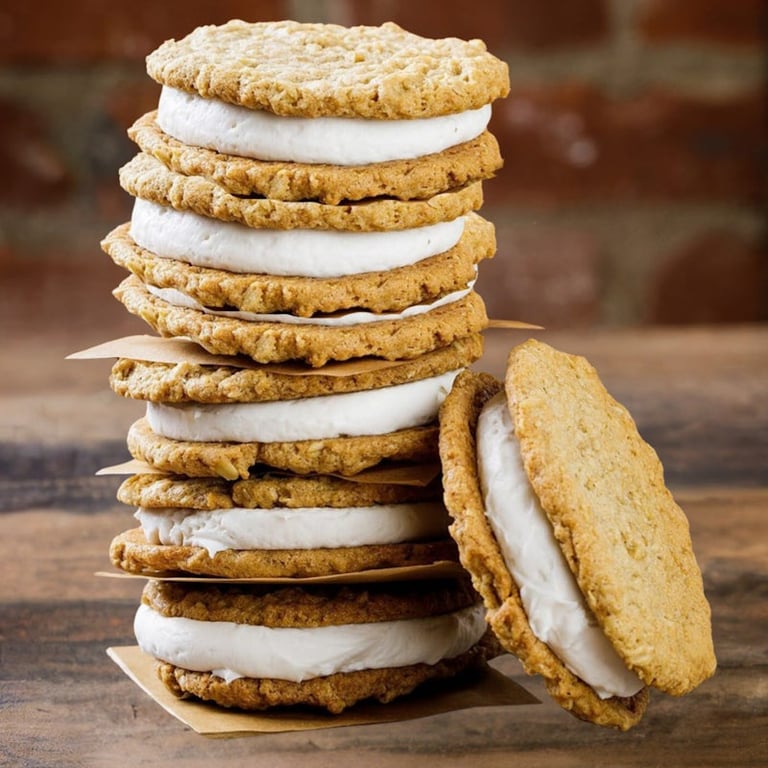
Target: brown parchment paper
[400,474]
[441,569]
[158,349]
[514,325]
[484,688]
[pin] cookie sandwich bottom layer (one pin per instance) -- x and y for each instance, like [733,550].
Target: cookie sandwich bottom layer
[255,647]
[230,651]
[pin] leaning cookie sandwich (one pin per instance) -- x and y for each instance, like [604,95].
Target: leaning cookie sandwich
[582,556]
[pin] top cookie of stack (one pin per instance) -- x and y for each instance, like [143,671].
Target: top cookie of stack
[309,192]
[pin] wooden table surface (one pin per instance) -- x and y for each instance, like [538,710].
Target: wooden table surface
[698,395]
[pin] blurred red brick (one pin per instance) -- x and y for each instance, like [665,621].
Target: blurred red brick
[34,174]
[128,102]
[566,144]
[729,22]
[110,201]
[571,142]
[543,275]
[91,30]
[500,23]
[555,23]
[716,277]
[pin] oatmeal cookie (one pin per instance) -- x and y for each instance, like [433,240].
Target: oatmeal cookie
[146,177]
[315,70]
[306,605]
[178,382]
[132,553]
[269,490]
[626,540]
[334,693]
[340,455]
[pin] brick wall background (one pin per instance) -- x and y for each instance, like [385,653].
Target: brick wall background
[635,183]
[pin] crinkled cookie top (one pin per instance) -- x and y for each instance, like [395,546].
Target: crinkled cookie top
[313,70]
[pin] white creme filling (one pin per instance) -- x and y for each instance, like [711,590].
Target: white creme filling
[230,650]
[553,602]
[368,412]
[236,130]
[301,528]
[337,320]
[207,242]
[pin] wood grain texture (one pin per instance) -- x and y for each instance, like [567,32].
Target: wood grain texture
[698,396]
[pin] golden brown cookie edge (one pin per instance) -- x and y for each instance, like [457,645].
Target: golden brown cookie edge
[547,390]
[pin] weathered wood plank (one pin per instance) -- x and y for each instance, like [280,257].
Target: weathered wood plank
[108,721]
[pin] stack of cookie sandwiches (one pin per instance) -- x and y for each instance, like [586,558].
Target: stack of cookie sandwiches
[305,218]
